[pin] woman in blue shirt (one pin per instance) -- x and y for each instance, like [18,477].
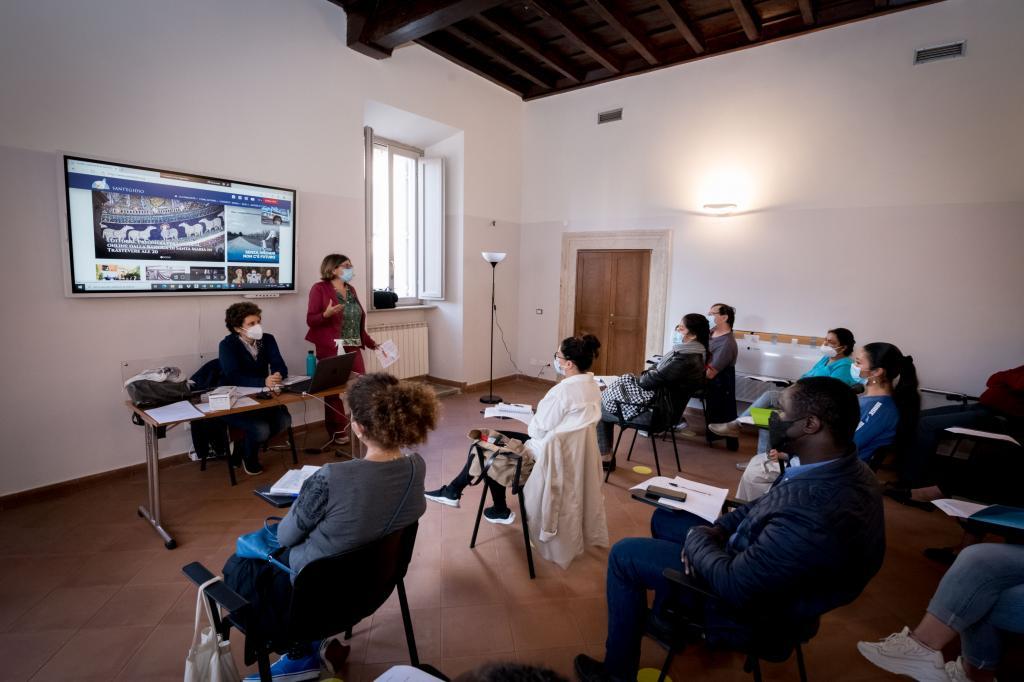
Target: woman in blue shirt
[835,362]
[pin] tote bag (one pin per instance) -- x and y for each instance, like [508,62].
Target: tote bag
[209,658]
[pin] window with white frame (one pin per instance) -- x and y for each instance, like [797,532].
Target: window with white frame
[404,220]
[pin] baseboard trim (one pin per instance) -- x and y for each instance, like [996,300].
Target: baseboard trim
[56,490]
[481,385]
[461,385]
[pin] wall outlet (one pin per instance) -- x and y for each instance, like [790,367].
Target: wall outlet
[539,311]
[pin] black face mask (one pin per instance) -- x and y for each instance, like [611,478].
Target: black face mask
[777,428]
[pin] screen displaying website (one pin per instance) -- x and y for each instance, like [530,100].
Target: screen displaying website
[134,229]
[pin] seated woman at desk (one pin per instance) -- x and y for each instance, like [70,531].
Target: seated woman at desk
[884,405]
[250,357]
[677,376]
[343,506]
[575,397]
[835,362]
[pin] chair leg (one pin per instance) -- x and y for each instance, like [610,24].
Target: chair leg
[657,462]
[675,449]
[410,638]
[291,442]
[666,665]
[479,515]
[800,663]
[263,665]
[202,458]
[753,666]
[231,467]
[526,535]
[630,455]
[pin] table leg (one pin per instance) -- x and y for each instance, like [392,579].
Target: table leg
[152,512]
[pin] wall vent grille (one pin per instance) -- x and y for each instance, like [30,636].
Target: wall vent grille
[947,51]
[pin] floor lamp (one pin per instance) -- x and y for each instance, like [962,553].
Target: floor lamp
[493,258]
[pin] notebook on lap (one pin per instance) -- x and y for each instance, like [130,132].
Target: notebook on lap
[329,373]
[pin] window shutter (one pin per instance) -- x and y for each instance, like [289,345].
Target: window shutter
[431,228]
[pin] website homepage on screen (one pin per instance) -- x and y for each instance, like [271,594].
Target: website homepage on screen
[140,230]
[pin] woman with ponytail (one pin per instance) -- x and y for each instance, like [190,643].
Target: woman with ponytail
[342,506]
[575,398]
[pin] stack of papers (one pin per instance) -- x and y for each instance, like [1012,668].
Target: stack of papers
[181,411]
[996,514]
[291,482]
[703,500]
[387,353]
[240,402]
[517,411]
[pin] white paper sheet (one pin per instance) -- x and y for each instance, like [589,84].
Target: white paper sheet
[180,411]
[387,353]
[291,482]
[981,434]
[701,499]
[959,508]
[248,390]
[293,379]
[517,411]
[769,380]
[405,673]
[240,402]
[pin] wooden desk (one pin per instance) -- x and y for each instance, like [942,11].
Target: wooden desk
[151,513]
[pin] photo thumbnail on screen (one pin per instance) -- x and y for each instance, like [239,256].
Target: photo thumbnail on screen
[157,228]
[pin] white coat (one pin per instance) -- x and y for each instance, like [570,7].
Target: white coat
[564,499]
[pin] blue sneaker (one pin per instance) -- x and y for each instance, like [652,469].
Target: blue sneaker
[292,669]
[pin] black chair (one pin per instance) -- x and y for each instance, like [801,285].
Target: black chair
[235,439]
[330,595]
[655,418]
[517,490]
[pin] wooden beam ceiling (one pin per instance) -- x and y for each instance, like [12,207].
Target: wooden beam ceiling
[511,32]
[807,12]
[576,32]
[749,19]
[625,27]
[520,66]
[681,24]
[382,26]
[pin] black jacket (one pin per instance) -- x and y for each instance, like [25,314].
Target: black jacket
[674,380]
[808,546]
[239,368]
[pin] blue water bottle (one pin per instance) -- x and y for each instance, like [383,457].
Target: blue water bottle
[310,363]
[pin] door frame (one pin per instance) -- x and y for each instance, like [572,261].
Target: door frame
[658,242]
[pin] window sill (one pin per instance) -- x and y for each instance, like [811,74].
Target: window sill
[424,306]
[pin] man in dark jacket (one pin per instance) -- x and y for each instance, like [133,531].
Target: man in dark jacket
[808,546]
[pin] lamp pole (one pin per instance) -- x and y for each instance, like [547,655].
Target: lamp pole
[490,398]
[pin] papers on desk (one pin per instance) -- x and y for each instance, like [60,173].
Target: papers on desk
[241,402]
[291,482]
[974,433]
[995,514]
[519,412]
[181,411]
[248,390]
[703,500]
[387,353]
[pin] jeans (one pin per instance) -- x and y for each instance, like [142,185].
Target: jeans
[497,490]
[259,427]
[635,566]
[914,468]
[606,428]
[982,594]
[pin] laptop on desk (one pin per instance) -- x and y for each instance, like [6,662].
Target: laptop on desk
[329,373]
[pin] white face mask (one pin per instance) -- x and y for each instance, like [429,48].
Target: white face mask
[828,351]
[556,364]
[254,332]
[711,321]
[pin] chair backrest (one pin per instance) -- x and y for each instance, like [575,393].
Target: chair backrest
[332,594]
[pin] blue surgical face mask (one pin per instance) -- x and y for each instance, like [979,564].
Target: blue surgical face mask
[711,321]
[677,338]
[855,373]
[347,274]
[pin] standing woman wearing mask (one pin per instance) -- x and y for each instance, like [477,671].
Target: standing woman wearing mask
[334,312]
[720,392]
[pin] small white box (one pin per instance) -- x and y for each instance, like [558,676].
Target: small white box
[222,398]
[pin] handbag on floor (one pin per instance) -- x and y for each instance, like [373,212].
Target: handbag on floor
[209,658]
[262,544]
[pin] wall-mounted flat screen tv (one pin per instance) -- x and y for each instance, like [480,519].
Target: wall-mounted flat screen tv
[135,230]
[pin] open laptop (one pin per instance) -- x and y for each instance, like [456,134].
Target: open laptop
[329,373]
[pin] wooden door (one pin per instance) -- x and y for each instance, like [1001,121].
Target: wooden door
[611,303]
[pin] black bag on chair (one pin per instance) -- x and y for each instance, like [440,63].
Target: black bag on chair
[146,393]
[383,300]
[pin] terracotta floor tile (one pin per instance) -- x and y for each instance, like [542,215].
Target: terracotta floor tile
[112,568]
[475,630]
[161,655]
[23,653]
[137,605]
[65,607]
[558,659]
[95,654]
[388,642]
[543,625]
[591,617]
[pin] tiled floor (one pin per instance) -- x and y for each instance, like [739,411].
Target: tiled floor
[87,591]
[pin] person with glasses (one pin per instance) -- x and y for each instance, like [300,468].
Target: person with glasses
[575,398]
[676,377]
[835,362]
[720,393]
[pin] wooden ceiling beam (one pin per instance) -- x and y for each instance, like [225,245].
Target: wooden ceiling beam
[625,27]
[376,28]
[682,25]
[528,71]
[749,19]
[531,46]
[435,44]
[807,11]
[572,29]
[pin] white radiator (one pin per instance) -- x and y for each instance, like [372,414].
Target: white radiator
[413,355]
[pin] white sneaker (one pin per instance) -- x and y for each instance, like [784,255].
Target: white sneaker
[955,671]
[901,654]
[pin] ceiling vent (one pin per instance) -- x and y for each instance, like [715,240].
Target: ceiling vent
[609,116]
[947,51]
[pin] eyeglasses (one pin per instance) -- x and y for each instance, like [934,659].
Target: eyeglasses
[559,357]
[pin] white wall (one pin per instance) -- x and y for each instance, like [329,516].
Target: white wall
[204,87]
[878,195]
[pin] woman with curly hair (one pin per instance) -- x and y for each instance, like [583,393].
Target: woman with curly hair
[343,506]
